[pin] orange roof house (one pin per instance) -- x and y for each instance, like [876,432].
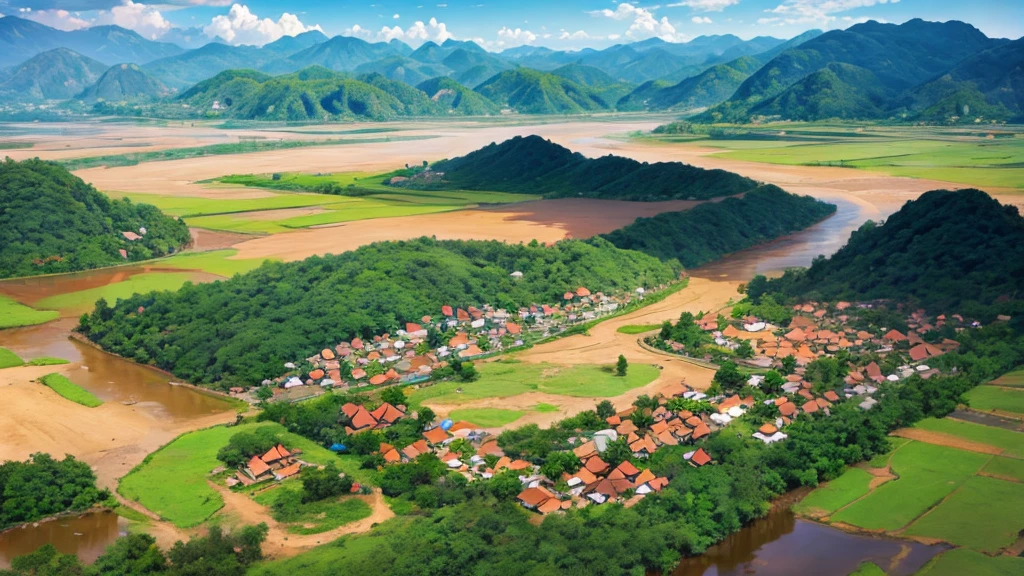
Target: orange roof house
[435,435]
[550,505]
[327,354]
[513,328]
[287,471]
[700,458]
[894,336]
[787,409]
[596,465]
[378,379]
[257,467]
[700,431]
[810,406]
[316,374]
[446,311]
[534,497]
[387,413]
[582,292]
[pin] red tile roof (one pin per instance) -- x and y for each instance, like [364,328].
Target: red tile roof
[700,457]
[258,466]
[435,435]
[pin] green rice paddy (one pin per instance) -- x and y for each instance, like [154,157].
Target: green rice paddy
[9,359]
[487,417]
[833,495]
[83,300]
[989,398]
[215,262]
[637,328]
[960,562]
[985,514]
[1011,442]
[1005,468]
[68,389]
[14,314]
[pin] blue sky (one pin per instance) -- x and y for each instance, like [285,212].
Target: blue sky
[564,24]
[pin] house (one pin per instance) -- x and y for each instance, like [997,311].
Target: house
[532,498]
[436,436]
[697,458]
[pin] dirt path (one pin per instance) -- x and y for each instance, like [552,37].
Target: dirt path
[603,345]
[949,440]
[280,543]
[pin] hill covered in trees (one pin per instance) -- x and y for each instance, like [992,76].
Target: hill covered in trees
[123,82]
[457,99]
[949,251]
[534,165]
[51,221]
[243,330]
[534,92]
[714,229]
[57,74]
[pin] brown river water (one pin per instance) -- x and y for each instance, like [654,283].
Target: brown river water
[779,544]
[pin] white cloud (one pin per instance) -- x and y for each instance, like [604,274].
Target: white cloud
[814,11]
[706,5]
[59,19]
[577,35]
[645,23]
[146,20]
[418,33]
[396,16]
[240,26]
[509,37]
[700,20]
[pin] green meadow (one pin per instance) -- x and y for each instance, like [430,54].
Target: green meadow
[835,494]
[9,359]
[14,314]
[1005,468]
[172,481]
[985,514]
[505,379]
[1013,379]
[68,389]
[637,328]
[963,562]
[995,398]
[487,417]
[312,517]
[927,473]
[217,262]
[83,300]
[1011,442]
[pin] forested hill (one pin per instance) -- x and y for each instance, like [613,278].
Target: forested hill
[51,221]
[950,251]
[243,330]
[711,230]
[534,165]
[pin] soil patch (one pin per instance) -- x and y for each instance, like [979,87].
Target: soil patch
[948,440]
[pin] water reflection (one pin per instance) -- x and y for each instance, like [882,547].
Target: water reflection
[87,536]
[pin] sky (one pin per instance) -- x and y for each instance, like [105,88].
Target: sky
[502,24]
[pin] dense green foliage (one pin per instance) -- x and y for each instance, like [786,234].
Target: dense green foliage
[244,329]
[244,445]
[608,88]
[123,82]
[215,554]
[534,165]
[710,87]
[51,221]
[710,230]
[950,251]
[838,90]
[534,92]
[457,99]
[54,75]
[42,486]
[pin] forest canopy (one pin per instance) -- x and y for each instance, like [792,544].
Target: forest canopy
[533,165]
[711,230]
[42,486]
[244,329]
[53,222]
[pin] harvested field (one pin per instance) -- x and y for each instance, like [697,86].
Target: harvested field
[949,440]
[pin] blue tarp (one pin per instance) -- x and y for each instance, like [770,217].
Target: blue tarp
[445,425]
[338,448]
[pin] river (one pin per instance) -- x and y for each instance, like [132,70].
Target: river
[87,536]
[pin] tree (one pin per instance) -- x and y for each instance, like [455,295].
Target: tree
[729,377]
[320,484]
[773,382]
[425,417]
[605,409]
[394,395]
[559,462]
[745,350]
[468,372]
[264,393]
[788,364]
[621,366]
[645,402]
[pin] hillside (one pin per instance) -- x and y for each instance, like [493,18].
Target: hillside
[533,92]
[705,89]
[123,82]
[899,56]
[57,74]
[314,93]
[838,91]
[455,98]
[534,165]
[204,63]
[22,39]
[341,53]
[711,230]
[952,251]
[608,89]
[373,289]
[51,222]
[402,69]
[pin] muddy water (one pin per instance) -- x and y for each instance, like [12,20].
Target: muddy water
[87,536]
[782,545]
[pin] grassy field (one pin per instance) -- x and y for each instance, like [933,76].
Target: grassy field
[46,361]
[962,155]
[1011,442]
[985,514]
[313,517]
[216,262]
[334,213]
[1012,379]
[193,207]
[962,562]
[833,495]
[487,417]
[927,473]
[505,379]
[84,300]
[14,314]
[68,389]
[9,359]
[868,569]
[1005,468]
[542,408]
[637,328]
[882,460]
[172,481]
[996,398]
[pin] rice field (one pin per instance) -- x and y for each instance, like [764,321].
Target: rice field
[990,398]
[83,300]
[833,495]
[14,314]
[984,514]
[1011,442]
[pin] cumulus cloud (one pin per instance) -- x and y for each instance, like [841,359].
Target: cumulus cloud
[645,24]
[56,18]
[240,26]
[577,35]
[705,5]
[146,20]
[396,16]
[509,37]
[814,11]
[418,33]
[700,20]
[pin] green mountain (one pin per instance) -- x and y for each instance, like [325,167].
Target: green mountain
[123,82]
[609,89]
[56,74]
[403,69]
[53,222]
[449,95]
[341,53]
[533,92]
[899,56]
[711,230]
[314,93]
[22,39]
[948,251]
[465,61]
[534,165]
[710,87]
[838,90]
